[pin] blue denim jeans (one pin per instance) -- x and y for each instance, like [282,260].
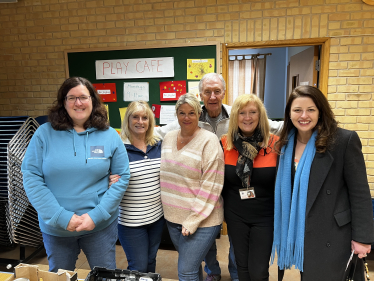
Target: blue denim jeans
[232,264]
[99,248]
[141,244]
[192,249]
[212,264]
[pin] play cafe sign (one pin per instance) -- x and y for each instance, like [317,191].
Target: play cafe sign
[135,68]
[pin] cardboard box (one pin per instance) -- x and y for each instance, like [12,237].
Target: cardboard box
[33,273]
[5,276]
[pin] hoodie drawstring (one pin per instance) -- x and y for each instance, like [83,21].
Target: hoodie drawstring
[75,150]
[86,145]
[74,146]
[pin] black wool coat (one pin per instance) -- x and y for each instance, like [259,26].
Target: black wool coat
[339,209]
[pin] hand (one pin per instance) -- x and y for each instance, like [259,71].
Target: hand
[185,232]
[74,222]
[87,223]
[360,249]
[113,179]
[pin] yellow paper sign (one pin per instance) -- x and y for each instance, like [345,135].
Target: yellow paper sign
[122,112]
[107,110]
[197,68]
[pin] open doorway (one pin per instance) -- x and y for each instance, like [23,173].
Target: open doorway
[288,64]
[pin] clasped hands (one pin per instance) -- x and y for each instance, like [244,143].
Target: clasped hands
[80,223]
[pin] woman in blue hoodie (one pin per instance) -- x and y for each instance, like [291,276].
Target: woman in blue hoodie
[141,218]
[65,176]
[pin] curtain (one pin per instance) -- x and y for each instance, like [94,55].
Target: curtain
[246,76]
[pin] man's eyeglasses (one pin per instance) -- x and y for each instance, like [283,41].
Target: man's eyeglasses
[73,99]
[216,92]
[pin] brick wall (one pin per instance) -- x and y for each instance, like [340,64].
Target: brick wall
[34,33]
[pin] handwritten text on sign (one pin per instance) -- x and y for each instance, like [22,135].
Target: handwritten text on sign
[136,91]
[135,68]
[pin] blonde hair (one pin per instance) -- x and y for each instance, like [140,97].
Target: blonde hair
[191,100]
[135,107]
[263,124]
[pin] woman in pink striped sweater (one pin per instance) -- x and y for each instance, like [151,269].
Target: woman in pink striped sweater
[192,170]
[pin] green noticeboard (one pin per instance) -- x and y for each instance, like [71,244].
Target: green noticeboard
[82,63]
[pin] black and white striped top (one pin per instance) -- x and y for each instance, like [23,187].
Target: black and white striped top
[141,204]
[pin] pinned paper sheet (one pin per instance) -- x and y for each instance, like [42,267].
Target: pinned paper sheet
[197,68]
[167,114]
[107,91]
[135,68]
[156,110]
[193,88]
[107,110]
[122,112]
[136,91]
[172,90]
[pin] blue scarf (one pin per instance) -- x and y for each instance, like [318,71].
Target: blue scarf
[289,210]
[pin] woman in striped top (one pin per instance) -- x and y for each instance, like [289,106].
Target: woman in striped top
[141,219]
[192,170]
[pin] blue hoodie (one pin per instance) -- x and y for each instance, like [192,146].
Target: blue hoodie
[66,173]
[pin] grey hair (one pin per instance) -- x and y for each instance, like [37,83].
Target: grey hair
[191,100]
[210,76]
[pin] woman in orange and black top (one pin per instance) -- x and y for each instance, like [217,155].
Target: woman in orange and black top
[248,191]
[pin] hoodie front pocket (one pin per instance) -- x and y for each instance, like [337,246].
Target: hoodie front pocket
[79,204]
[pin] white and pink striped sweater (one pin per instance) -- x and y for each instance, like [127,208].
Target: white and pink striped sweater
[192,180]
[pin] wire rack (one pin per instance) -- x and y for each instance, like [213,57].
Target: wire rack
[8,128]
[22,219]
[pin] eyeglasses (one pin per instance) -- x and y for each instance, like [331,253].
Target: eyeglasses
[73,99]
[216,92]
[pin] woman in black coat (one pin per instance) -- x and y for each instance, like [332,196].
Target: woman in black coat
[323,208]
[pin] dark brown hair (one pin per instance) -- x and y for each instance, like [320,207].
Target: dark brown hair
[59,117]
[326,125]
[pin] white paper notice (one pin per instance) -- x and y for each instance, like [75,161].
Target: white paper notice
[193,88]
[136,91]
[103,92]
[167,114]
[135,68]
[169,95]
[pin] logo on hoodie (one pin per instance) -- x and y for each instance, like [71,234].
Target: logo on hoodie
[97,151]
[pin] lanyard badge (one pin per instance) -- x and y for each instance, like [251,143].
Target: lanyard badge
[247,193]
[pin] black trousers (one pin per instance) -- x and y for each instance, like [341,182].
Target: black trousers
[252,246]
[281,274]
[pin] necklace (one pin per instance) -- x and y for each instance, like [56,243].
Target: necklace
[301,141]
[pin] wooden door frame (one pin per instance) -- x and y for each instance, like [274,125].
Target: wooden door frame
[325,55]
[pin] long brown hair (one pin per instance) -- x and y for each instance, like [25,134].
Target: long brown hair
[326,126]
[59,117]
